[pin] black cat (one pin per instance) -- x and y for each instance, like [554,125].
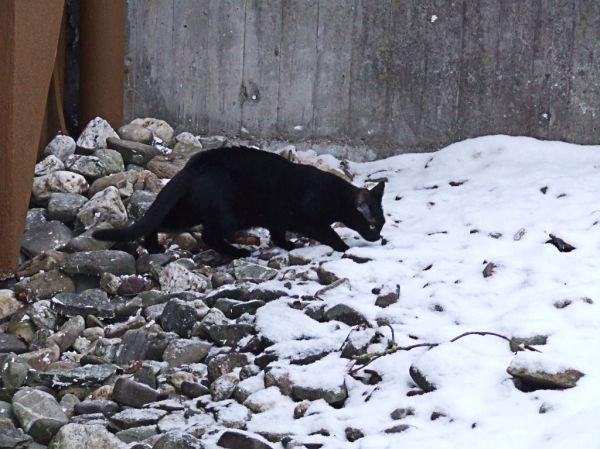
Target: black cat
[231,189]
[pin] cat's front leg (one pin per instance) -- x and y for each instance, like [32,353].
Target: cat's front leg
[327,236]
[215,240]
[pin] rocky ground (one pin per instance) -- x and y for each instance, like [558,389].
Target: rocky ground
[112,347]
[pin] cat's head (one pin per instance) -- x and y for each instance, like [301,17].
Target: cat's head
[369,212]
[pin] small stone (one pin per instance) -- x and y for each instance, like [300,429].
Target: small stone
[133,152]
[301,409]
[147,180]
[529,379]
[233,416]
[134,418]
[489,269]
[353,434]
[182,352]
[48,165]
[88,375]
[117,330]
[263,400]
[41,359]
[123,181]
[100,163]
[401,413]
[56,182]
[229,334]
[388,296]
[133,133]
[225,363]
[331,396]
[237,440]
[68,333]
[251,272]
[345,314]
[397,429]
[159,128]
[167,166]
[132,393]
[193,389]
[86,242]
[223,387]
[11,343]
[51,235]
[176,278]
[94,263]
[135,434]
[39,414]
[139,203]
[178,440]
[61,147]
[78,436]
[211,142]
[104,207]
[560,244]
[94,135]
[45,285]
[68,403]
[325,276]
[421,379]
[8,304]
[13,371]
[88,407]
[35,216]
[89,302]
[64,206]
[179,316]
[139,344]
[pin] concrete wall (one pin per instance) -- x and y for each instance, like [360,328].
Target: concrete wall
[397,75]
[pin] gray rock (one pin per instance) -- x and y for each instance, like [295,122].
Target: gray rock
[48,165]
[45,285]
[61,147]
[188,139]
[51,235]
[86,242]
[134,133]
[11,343]
[57,182]
[326,277]
[193,389]
[345,314]
[133,152]
[12,438]
[223,387]
[167,166]
[177,278]
[135,434]
[230,334]
[527,379]
[251,272]
[88,375]
[89,302]
[89,166]
[159,128]
[145,262]
[94,263]
[8,304]
[139,203]
[179,316]
[35,216]
[250,307]
[68,403]
[123,181]
[132,393]
[93,419]
[401,413]
[134,418]
[79,436]
[94,135]
[39,414]
[104,406]
[68,333]
[104,207]
[238,440]
[388,296]
[139,344]
[332,396]
[353,434]
[211,142]
[421,380]
[13,371]
[64,206]
[225,363]
[182,352]
[177,440]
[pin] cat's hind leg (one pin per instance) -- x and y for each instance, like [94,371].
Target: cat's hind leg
[278,238]
[215,240]
[151,243]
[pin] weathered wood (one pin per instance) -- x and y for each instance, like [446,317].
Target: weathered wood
[396,75]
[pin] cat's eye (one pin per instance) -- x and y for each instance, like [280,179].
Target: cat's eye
[372,227]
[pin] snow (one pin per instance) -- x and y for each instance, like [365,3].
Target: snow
[491,199]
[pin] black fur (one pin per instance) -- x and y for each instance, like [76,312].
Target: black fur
[231,189]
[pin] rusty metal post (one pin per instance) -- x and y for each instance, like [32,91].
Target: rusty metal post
[28,47]
[102,53]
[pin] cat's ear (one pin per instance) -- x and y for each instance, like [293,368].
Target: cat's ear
[377,191]
[362,204]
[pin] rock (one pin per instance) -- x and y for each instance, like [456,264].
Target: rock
[134,418]
[35,216]
[89,302]
[225,363]
[86,242]
[13,371]
[182,352]
[167,166]
[134,133]
[134,434]
[51,235]
[176,278]
[159,128]
[263,400]
[68,403]
[45,285]
[39,414]
[388,296]
[46,261]
[140,344]
[133,152]
[8,304]
[193,389]
[67,334]
[421,379]
[331,395]
[560,244]
[61,147]
[353,434]
[132,393]
[94,263]
[345,314]
[104,207]
[538,376]
[57,182]
[179,316]
[11,343]
[88,375]
[223,387]
[94,135]
[397,429]
[139,203]
[48,165]
[78,436]
[211,142]
[326,276]
[87,407]
[64,206]
[251,272]
[117,330]
[229,334]
[124,182]
[41,359]
[401,413]
[100,163]
[176,440]
[238,440]
[489,269]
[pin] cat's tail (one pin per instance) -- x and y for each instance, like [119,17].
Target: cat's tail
[164,202]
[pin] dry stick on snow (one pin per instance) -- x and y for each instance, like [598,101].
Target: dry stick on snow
[367,359]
